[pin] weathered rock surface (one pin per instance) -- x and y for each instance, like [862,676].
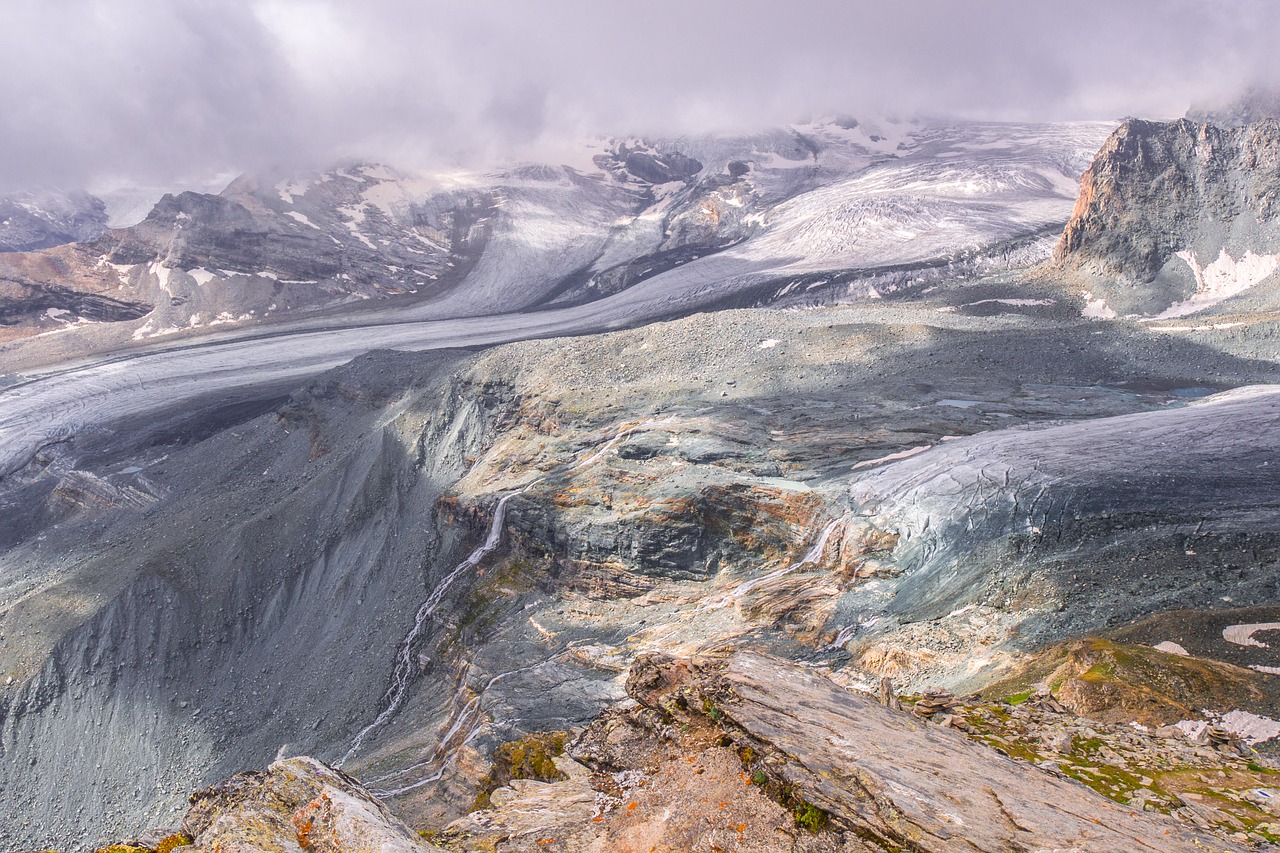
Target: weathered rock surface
[298,804]
[757,753]
[912,785]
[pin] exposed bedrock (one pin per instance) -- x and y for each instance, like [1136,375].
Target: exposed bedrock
[1173,217]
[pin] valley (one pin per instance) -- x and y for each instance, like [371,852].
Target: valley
[841,417]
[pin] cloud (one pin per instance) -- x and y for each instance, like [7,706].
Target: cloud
[172,90]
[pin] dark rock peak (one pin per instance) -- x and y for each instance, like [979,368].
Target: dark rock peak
[214,210]
[1152,184]
[662,168]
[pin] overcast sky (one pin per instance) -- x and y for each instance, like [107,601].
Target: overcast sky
[177,90]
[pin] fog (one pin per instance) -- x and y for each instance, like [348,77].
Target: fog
[158,91]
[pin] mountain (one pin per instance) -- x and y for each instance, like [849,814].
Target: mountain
[1253,105]
[40,220]
[1176,218]
[797,215]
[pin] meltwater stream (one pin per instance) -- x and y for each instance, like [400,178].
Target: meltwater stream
[404,657]
[403,669]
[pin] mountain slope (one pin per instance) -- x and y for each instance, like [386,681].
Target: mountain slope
[808,213]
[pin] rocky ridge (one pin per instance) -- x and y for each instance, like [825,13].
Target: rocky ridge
[1174,218]
[47,218]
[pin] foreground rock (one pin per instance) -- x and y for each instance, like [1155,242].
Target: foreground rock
[297,804]
[757,753]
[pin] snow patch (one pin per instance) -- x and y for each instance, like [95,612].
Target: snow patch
[161,273]
[1222,279]
[202,275]
[1242,635]
[892,457]
[299,217]
[1172,648]
[1252,728]
[1019,303]
[1096,309]
[290,189]
[356,214]
[769,344]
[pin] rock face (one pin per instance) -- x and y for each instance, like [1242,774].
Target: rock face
[907,784]
[297,805]
[1173,218]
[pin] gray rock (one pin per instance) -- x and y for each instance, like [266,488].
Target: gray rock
[297,804]
[906,783]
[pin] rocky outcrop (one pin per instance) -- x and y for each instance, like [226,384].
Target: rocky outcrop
[298,804]
[756,753]
[1175,217]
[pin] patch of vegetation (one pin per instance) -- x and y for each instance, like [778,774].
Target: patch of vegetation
[759,778]
[178,839]
[530,757]
[711,711]
[810,817]
[1099,672]
[1018,698]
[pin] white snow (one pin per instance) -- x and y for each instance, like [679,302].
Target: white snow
[1096,309]
[161,273]
[901,454]
[356,216]
[769,344]
[1251,727]
[1170,647]
[1242,635]
[291,188]
[1020,303]
[202,275]
[300,217]
[1208,327]
[1221,279]
[1266,670]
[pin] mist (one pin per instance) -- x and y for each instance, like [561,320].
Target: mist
[172,91]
